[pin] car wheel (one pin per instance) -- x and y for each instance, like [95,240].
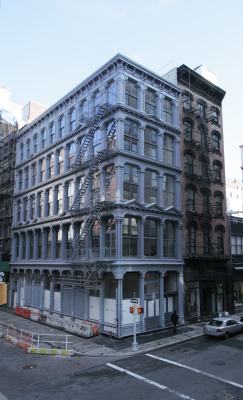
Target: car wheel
[226,335]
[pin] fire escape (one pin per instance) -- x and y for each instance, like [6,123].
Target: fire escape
[203,175]
[77,256]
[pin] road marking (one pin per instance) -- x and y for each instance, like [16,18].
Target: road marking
[2,397]
[196,370]
[142,378]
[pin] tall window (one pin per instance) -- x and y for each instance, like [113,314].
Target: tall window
[188,130]
[130,237]
[150,238]
[49,202]
[215,115]
[150,143]
[19,211]
[72,119]
[97,142]
[71,154]
[131,136]
[60,161]
[216,140]
[32,210]
[207,239]
[130,182]
[189,158]
[35,143]
[95,188]
[59,199]
[48,242]
[24,246]
[58,242]
[217,171]
[151,185]
[31,242]
[110,237]
[21,152]
[95,239]
[202,106]
[84,111]
[111,135]
[150,102]
[41,204]
[190,202]
[52,133]
[25,209]
[28,148]
[42,170]
[26,177]
[51,162]
[167,110]
[205,168]
[34,174]
[187,99]
[61,126]
[111,92]
[206,203]
[39,244]
[20,180]
[70,194]
[131,94]
[69,244]
[220,239]
[168,149]
[218,203]
[192,238]
[169,239]
[110,183]
[168,190]
[97,98]
[43,138]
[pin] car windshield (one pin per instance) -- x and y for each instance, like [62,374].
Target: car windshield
[215,322]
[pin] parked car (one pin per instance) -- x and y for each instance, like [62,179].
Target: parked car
[222,327]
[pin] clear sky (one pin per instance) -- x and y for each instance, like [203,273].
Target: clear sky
[49,46]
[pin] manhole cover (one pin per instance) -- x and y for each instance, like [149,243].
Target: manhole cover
[30,366]
[219,363]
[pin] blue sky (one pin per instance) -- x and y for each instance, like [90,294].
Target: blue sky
[50,46]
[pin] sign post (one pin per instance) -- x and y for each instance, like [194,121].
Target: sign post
[134,344]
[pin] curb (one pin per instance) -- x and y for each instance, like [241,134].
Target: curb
[59,352]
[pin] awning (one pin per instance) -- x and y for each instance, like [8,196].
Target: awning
[4,266]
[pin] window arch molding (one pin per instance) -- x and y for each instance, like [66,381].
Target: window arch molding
[190,186]
[219,228]
[218,193]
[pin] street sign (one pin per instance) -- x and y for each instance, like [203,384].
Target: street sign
[135,301]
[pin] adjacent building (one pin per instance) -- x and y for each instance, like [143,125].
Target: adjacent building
[97,203]
[234,194]
[236,272]
[205,237]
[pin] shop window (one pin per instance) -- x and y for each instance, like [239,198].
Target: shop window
[130,285]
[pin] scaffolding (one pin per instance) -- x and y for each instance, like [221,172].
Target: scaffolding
[7,159]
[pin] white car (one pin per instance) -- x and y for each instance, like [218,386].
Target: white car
[222,327]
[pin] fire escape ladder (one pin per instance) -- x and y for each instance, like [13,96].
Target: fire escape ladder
[101,155]
[111,134]
[92,126]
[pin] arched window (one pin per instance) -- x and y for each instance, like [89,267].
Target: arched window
[187,100]
[150,186]
[131,94]
[111,92]
[218,203]
[167,111]
[207,238]
[191,234]
[189,160]
[84,111]
[150,101]
[216,140]
[217,167]
[215,115]
[202,108]
[110,237]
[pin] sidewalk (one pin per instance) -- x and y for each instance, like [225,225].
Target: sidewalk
[103,345]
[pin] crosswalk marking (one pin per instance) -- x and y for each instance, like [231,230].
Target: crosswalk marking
[198,371]
[142,378]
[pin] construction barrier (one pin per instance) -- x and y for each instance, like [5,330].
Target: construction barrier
[3,293]
[25,313]
[59,352]
[18,310]
[81,328]
[35,316]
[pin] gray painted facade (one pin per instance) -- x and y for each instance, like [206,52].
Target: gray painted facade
[86,239]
